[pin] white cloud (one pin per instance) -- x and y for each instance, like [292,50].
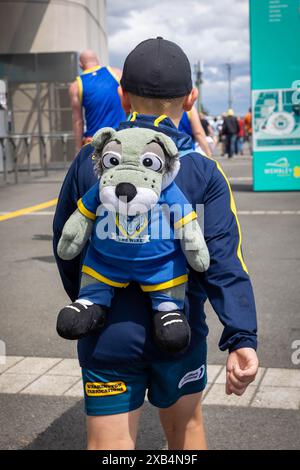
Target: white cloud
[213,70]
[216,94]
[214,31]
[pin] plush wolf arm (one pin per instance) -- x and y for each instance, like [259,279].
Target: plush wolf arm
[75,234]
[194,247]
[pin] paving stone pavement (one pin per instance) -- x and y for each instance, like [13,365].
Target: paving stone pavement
[47,376]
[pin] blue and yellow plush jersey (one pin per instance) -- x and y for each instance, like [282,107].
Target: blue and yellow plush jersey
[146,236]
[146,244]
[185,126]
[226,283]
[99,97]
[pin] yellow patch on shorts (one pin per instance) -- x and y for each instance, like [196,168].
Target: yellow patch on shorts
[104,389]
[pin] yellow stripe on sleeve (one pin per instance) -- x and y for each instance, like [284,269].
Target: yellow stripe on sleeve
[113,74]
[80,88]
[234,211]
[85,211]
[185,220]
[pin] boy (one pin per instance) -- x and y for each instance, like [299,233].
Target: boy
[121,363]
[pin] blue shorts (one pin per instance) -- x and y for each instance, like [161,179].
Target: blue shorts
[120,390]
[171,270]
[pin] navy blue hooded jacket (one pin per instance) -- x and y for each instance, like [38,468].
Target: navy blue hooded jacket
[126,337]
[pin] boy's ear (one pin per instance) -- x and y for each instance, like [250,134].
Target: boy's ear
[125,99]
[102,137]
[190,99]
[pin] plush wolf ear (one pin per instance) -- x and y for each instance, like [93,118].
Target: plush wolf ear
[167,144]
[102,137]
[99,141]
[172,163]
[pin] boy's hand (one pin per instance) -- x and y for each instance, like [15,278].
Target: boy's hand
[242,367]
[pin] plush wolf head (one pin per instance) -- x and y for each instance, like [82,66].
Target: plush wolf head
[134,166]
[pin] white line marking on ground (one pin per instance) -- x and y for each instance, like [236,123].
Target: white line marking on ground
[31,213]
[252,212]
[273,388]
[237,164]
[285,212]
[28,210]
[232,179]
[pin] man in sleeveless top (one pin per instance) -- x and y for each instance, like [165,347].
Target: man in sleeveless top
[94,98]
[190,124]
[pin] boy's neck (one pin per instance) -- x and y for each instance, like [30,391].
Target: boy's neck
[175,117]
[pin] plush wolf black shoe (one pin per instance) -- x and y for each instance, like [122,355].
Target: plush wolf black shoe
[79,319]
[171,331]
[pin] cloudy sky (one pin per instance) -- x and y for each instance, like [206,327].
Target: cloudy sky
[215,31]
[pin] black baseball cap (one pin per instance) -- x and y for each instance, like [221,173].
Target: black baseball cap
[157,68]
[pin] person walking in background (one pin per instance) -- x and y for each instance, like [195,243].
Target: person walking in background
[209,131]
[95,91]
[205,124]
[248,128]
[222,138]
[240,137]
[215,126]
[190,124]
[230,130]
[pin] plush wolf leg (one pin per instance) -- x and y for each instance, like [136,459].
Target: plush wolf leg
[171,330]
[87,315]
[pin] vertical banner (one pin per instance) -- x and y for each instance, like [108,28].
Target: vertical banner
[275,83]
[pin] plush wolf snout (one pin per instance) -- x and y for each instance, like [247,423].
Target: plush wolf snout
[126,190]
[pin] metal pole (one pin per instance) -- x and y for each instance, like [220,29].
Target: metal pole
[229,69]
[14,144]
[39,121]
[2,143]
[27,141]
[64,145]
[198,73]
[43,141]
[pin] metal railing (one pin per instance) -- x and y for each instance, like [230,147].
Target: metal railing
[14,140]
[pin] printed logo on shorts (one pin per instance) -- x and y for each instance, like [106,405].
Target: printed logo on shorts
[104,389]
[192,376]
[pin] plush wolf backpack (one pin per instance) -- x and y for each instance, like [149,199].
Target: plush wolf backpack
[141,228]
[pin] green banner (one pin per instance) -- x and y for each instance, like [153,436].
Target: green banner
[275,82]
